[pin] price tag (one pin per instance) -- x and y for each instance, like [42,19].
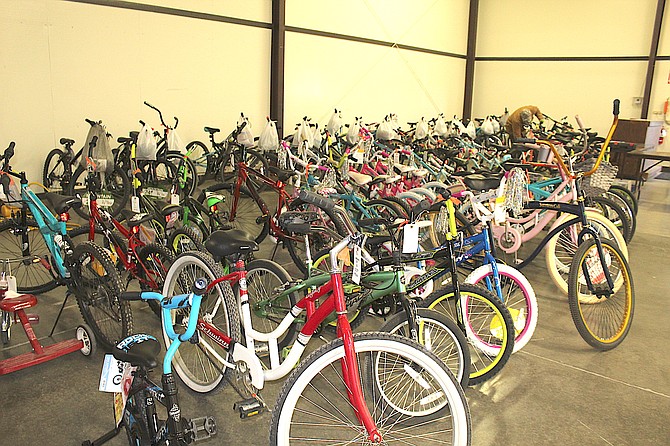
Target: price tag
[410,242]
[116,377]
[135,204]
[174,199]
[356,274]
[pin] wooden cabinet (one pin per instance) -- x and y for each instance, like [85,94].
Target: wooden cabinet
[644,134]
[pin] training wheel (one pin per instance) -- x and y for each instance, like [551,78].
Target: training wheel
[85,335]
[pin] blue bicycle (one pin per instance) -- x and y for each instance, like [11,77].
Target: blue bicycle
[41,255]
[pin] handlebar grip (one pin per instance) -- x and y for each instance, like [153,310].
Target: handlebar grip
[9,151]
[317,200]
[131,295]
[579,122]
[149,105]
[615,112]
[90,122]
[525,140]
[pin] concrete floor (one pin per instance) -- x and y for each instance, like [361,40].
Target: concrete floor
[558,390]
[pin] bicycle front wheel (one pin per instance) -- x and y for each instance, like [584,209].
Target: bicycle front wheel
[53,174]
[201,364]
[604,319]
[97,286]
[114,193]
[412,396]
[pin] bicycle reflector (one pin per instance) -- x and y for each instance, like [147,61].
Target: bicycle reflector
[65,216]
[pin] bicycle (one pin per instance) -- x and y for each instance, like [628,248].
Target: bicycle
[139,416]
[435,397]
[44,257]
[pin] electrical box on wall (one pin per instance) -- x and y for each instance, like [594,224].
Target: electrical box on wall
[637,100]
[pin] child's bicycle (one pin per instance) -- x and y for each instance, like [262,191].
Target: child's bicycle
[138,414]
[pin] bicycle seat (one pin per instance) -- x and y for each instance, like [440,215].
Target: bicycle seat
[15,302]
[359,178]
[66,141]
[283,174]
[298,222]
[420,173]
[480,182]
[138,349]
[61,203]
[169,208]
[224,243]
[134,218]
[212,130]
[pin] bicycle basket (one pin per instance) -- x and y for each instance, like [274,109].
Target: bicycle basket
[600,181]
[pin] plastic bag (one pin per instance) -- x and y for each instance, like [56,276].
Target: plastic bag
[459,127]
[174,141]
[246,138]
[441,127]
[385,130]
[146,144]
[496,124]
[269,140]
[352,135]
[487,126]
[101,154]
[421,130]
[334,125]
[471,130]
[317,137]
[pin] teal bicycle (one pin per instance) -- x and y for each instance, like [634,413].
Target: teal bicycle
[36,245]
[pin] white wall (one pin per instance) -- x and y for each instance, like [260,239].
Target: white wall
[368,80]
[64,61]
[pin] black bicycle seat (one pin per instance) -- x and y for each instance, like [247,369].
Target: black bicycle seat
[480,182]
[282,174]
[134,218]
[139,349]
[61,203]
[212,130]
[224,243]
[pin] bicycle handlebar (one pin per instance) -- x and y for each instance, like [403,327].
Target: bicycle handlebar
[90,122]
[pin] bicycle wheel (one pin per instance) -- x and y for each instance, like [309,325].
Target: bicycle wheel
[137,427]
[97,286]
[185,239]
[80,234]
[185,171]
[53,171]
[626,194]
[629,211]
[518,296]
[613,212]
[438,334]
[199,156]
[249,215]
[114,193]
[33,273]
[154,261]
[604,320]
[401,205]
[410,393]
[561,248]
[201,364]
[264,278]
[488,327]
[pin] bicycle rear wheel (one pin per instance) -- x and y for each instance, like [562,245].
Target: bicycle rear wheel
[54,170]
[113,195]
[201,364]
[604,319]
[97,286]
[411,395]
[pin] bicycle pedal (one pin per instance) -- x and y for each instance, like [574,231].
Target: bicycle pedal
[249,407]
[202,428]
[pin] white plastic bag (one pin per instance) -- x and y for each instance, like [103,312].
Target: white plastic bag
[385,130]
[487,126]
[317,137]
[496,124]
[459,127]
[246,138]
[146,144]
[174,141]
[421,130]
[471,130]
[352,134]
[441,128]
[334,125]
[269,140]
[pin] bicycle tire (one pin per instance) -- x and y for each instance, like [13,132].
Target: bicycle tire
[401,204]
[189,182]
[80,234]
[613,212]
[452,417]
[263,278]
[249,215]
[440,335]
[615,309]
[425,193]
[519,298]
[154,261]
[628,209]
[53,170]
[489,327]
[561,248]
[199,156]
[185,239]
[194,363]
[137,426]
[97,287]
[626,194]
[112,197]
[31,277]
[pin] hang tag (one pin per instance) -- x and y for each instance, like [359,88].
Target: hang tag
[174,199]
[135,204]
[410,243]
[111,377]
[499,210]
[356,274]
[396,157]
[11,283]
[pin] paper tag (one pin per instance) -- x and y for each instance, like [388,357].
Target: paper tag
[356,274]
[11,283]
[111,377]
[135,204]
[410,242]
[396,157]
[344,257]
[174,199]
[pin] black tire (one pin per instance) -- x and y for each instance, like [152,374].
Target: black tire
[263,278]
[185,239]
[54,171]
[403,205]
[199,157]
[603,322]
[628,209]
[488,325]
[97,287]
[156,178]
[184,168]
[447,340]
[318,241]
[613,212]
[626,194]
[153,264]
[254,160]
[138,431]
[116,189]
[80,235]
[249,215]
[31,276]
